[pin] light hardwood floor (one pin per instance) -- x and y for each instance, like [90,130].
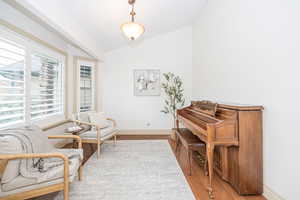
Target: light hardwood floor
[199,182]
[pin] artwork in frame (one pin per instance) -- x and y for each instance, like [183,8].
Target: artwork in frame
[147,82]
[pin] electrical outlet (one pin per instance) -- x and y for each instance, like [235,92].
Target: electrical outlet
[148,124]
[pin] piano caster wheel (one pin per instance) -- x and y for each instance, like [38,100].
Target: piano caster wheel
[210,193]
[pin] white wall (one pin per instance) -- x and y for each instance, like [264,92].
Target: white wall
[18,19]
[13,16]
[249,52]
[53,11]
[99,86]
[171,52]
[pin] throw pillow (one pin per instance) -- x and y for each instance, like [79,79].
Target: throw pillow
[84,117]
[99,120]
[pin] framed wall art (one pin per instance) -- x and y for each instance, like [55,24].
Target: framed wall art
[147,82]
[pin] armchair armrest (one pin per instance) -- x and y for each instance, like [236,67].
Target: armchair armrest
[43,155]
[34,155]
[67,137]
[114,121]
[86,123]
[79,147]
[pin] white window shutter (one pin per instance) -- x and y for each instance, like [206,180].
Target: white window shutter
[46,86]
[86,88]
[12,93]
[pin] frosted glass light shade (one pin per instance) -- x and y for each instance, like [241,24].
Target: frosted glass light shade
[132,30]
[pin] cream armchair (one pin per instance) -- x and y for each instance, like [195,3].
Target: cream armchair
[25,188]
[98,133]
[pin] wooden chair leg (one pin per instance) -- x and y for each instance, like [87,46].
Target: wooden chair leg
[66,189]
[66,194]
[98,149]
[115,140]
[66,180]
[80,172]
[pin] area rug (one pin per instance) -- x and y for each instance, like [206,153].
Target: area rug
[131,170]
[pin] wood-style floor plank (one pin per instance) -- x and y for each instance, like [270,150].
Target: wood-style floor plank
[199,182]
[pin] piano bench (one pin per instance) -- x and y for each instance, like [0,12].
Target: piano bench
[191,143]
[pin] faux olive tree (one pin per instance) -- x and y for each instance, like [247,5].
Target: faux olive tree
[173,88]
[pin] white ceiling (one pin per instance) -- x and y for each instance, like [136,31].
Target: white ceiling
[100,19]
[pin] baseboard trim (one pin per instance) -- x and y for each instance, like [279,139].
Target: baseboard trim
[270,194]
[143,137]
[145,132]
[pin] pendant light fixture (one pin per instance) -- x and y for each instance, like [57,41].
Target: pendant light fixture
[131,29]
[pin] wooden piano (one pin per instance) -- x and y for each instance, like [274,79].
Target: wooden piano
[233,137]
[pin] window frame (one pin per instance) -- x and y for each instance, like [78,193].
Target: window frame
[92,64]
[31,46]
[36,48]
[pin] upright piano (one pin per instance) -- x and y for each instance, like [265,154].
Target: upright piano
[233,137]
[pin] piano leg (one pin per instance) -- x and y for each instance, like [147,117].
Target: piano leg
[210,158]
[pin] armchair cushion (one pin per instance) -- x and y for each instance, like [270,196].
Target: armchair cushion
[22,182]
[34,141]
[104,133]
[98,119]
[10,145]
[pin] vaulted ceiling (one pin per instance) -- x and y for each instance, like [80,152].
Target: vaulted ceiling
[100,20]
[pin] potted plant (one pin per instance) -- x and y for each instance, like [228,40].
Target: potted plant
[173,89]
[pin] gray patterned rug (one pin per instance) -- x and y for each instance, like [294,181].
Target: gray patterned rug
[132,170]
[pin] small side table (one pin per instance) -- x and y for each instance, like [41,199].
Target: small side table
[75,130]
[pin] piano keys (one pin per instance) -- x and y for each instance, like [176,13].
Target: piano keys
[233,137]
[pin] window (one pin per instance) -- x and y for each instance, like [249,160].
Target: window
[86,95]
[86,86]
[46,86]
[31,81]
[12,62]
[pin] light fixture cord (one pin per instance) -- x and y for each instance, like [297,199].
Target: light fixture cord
[132,13]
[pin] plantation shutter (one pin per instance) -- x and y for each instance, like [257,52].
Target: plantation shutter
[46,86]
[86,88]
[12,93]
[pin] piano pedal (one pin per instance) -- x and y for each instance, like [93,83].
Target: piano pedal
[202,162]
